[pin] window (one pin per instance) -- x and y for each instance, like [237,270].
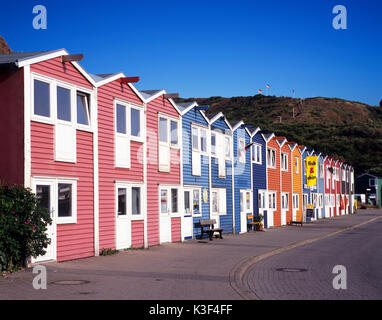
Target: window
[245,201]
[43,196]
[296,166]
[163,135]
[203,140]
[214,201]
[168,138]
[327,177]
[227,146]
[320,200]
[272,200]
[304,200]
[271,158]
[121,119]
[284,201]
[187,203]
[174,200]
[135,122]
[284,162]
[314,199]
[241,150]
[63,104]
[261,200]
[135,201]
[296,201]
[196,202]
[122,196]
[219,202]
[372,182]
[163,201]
[41,98]
[256,153]
[67,199]
[174,132]
[122,139]
[213,143]
[321,170]
[195,138]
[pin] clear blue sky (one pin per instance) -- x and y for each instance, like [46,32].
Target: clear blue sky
[208,48]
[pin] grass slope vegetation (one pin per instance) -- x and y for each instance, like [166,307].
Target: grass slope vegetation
[348,130]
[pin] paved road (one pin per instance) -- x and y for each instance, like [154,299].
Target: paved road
[359,250]
[199,270]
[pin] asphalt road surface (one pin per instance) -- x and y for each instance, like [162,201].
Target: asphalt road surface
[307,272]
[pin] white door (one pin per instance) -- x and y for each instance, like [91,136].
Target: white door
[164,215]
[245,209]
[215,207]
[187,221]
[123,219]
[46,195]
[295,204]
[284,208]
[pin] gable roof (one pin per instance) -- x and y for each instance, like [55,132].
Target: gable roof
[216,116]
[23,59]
[150,95]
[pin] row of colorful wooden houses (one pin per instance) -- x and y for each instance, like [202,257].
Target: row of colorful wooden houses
[120,168]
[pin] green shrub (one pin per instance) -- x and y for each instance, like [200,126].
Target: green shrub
[108,252]
[23,226]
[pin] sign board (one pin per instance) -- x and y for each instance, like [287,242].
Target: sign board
[310,213]
[311,171]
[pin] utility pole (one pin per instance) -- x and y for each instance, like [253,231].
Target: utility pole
[280,118]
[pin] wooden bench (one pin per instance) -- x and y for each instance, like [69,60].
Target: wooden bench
[296,222]
[251,224]
[207,226]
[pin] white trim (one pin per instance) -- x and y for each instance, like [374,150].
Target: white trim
[73,218]
[94,119]
[153,97]
[269,138]
[22,62]
[193,105]
[240,123]
[252,134]
[27,128]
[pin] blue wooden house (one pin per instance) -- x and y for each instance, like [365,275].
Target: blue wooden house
[259,173]
[242,175]
[305,189]
[221,169]
[195,168]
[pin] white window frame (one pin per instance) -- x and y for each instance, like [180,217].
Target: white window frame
[229,144]
[124,136]
[221,200]
[214,153]
[139,138]
[272,196]
[284,196]
[73,218]
[321,169]
[320,200]
[371,180]
[256,149]
[295,202]
[244,206]
[129,201]
[296,164]
[284,161]
[271,151]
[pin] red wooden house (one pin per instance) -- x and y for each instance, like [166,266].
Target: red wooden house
[48,143]
[329,187]
[286,180]
[121,158]
[163,125]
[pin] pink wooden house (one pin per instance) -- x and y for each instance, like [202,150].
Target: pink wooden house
[121,158]
[164,207]
[48,143]
[329,187]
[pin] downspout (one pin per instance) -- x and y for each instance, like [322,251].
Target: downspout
[96,175]
[145,236]
[233,183]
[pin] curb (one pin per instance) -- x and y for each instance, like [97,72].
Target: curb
[236,275]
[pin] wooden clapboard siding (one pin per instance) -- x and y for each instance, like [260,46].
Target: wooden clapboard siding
[195,117]
[175,230]
[61,71]
[108,173]
[154,177]
[274,181]
[137,234]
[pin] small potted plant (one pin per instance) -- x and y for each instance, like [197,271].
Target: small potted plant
[258,219]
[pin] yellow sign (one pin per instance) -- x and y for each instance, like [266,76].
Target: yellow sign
[205,195]
[311,171]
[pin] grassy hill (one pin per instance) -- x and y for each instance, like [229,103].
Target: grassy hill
[4,48]
[349,130]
